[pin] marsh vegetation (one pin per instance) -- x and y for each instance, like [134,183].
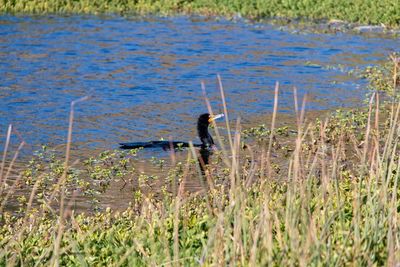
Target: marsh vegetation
[363,11]
[325,192]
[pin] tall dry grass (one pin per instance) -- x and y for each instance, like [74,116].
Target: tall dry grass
[333,202]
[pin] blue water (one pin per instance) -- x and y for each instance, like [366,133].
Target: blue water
[144,74]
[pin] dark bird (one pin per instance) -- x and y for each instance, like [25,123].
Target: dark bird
[206,139]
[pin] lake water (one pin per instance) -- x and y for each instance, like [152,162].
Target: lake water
[144,74]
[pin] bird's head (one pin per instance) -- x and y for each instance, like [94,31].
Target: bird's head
[202,128]
[205,119]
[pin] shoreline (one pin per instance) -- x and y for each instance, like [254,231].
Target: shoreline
[368,13]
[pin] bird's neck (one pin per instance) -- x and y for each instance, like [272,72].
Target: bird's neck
[204,135]
[202,130]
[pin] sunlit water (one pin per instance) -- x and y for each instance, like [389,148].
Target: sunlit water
[144,74]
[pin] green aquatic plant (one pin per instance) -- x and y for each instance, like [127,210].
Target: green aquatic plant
[385,77]
[110,166]
[261,132]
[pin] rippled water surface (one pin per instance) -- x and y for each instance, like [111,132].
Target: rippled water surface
[143,74]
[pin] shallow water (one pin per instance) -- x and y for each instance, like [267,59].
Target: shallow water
[143,74]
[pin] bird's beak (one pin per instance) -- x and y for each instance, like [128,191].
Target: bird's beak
[215,117]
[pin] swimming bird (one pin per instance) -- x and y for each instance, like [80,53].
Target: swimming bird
[206,139]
